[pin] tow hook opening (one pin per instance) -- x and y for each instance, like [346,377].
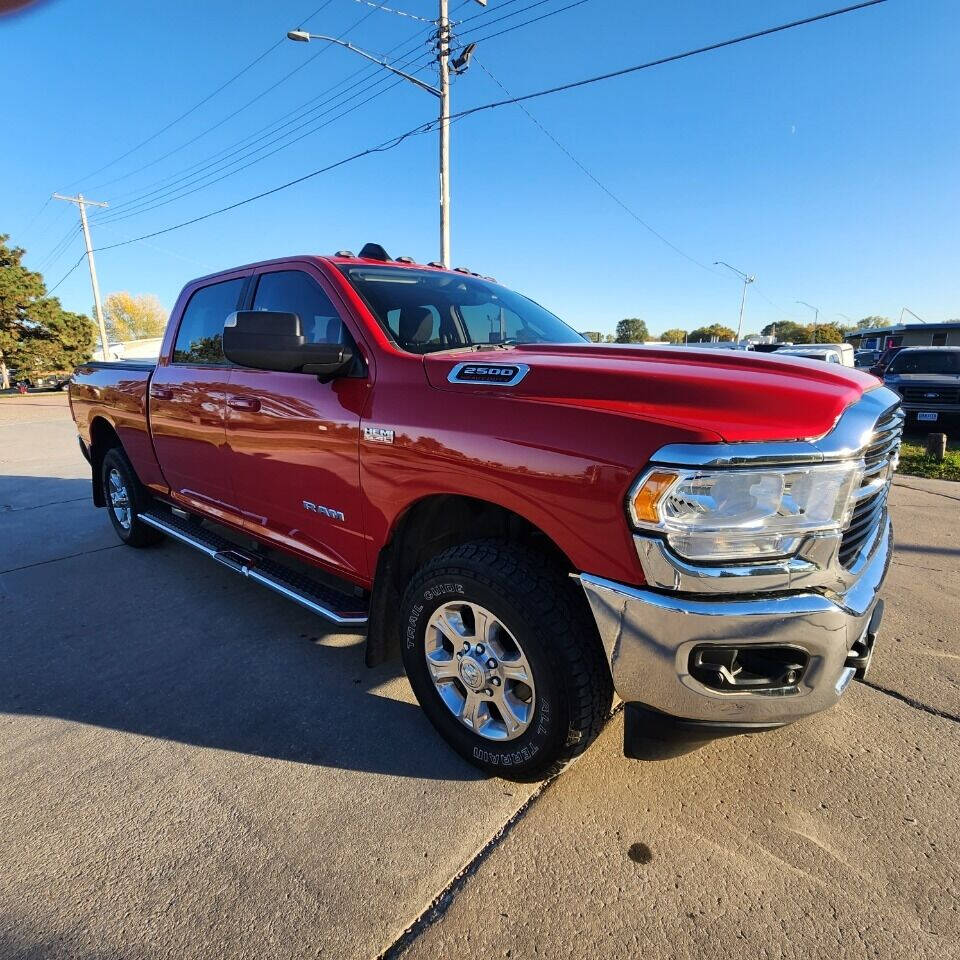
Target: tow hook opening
[861,653]
[754,667]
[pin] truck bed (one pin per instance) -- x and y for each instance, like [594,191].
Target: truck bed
[113,396]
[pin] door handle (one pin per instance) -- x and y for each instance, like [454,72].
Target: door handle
[161,393]
[250,404]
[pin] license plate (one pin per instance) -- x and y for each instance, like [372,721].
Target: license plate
[929,416]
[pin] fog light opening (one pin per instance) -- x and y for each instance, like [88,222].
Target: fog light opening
[754,667]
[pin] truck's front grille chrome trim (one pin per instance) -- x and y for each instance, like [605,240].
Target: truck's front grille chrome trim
[325,601]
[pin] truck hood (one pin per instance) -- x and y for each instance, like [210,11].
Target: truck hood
[733,395]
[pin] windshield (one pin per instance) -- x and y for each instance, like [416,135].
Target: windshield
[429,310]
[927,361]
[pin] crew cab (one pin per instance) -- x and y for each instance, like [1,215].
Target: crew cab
[531,521]
[928,380]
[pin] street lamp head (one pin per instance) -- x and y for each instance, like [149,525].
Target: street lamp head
[300,35]
[461,63]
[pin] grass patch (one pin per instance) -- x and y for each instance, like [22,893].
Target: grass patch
[914,461]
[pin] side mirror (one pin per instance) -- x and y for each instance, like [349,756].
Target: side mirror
[269,340]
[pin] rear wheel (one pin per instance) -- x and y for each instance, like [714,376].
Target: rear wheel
[503,660]
[126,500]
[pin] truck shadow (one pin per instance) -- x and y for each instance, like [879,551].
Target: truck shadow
[162,642]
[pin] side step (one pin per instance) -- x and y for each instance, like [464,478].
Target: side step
[328,602]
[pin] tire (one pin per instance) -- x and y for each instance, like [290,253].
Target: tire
[535,629]
[126,499]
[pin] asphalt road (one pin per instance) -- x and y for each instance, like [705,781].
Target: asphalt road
[193,767]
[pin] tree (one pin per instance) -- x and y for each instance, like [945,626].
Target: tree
[826,333]
[715,331]
[130,317]
[36,333]
[674,335]
[788,331]
[632,330]
[53,339]
[867,322]
[19,290]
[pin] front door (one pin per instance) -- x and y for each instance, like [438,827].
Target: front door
[188,393]
[294,442]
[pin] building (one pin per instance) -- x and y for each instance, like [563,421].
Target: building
[907,335]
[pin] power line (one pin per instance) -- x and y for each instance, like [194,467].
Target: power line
[399,13]
[429,125]
[380,148]
[515,13]
[59,249]
[583,169]
[302,66]
[197,105]
[36,217]
[238,146]
[673,58]
[482,13]
[125,210]
[193,183]
[223,176]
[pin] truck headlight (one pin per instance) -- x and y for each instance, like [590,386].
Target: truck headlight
[759,513]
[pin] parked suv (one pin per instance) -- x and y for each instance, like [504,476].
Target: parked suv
[928,380]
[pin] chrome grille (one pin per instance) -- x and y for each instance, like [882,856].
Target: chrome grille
[882,450]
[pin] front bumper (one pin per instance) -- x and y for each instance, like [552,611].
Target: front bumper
[649,636]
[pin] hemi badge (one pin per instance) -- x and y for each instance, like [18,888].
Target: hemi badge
[378,435]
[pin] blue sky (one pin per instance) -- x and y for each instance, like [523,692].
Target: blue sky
[823,160]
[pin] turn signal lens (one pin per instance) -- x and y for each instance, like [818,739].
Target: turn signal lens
[645,500]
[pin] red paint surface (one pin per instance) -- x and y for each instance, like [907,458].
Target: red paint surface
[561,448]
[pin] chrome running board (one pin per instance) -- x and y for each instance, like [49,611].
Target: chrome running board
[328,602]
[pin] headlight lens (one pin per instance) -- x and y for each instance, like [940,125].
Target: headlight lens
[761,513]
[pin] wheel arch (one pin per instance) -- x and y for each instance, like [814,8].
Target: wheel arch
[427,527]
[103,437]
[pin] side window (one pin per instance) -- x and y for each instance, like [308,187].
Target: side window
[200,337]
[293,291]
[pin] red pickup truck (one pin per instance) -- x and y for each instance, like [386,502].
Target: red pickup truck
[531,521]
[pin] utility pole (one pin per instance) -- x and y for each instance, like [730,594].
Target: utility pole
[743,297]
[441,92]
[443,56]
[83,203]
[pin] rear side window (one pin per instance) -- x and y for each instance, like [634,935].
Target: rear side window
[293,291]
[200,337]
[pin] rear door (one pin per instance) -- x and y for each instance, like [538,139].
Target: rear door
[188,395]
[293,441]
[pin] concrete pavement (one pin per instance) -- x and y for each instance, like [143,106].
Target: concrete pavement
[193,767]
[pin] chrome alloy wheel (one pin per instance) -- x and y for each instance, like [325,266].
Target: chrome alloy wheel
[119,499]
[480,671]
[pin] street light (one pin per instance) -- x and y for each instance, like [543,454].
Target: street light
[303,37]
[746,279]
[816,316]
[912,314]
[441,92]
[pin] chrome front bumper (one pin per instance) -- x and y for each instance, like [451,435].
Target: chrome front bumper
[649,635]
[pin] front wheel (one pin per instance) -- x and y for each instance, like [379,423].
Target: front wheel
[126,500]
[503,660]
